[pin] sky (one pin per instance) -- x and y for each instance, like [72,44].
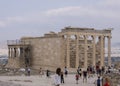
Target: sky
[19,18]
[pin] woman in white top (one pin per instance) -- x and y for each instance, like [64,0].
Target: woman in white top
[57,77]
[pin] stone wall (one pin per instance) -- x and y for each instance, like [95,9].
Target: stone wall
[47,53]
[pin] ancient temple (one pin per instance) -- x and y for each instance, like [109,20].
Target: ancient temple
[72,47]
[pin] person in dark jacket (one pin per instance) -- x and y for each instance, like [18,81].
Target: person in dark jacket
[62,77]
[98,81]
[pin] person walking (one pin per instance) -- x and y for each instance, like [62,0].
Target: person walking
[57,78]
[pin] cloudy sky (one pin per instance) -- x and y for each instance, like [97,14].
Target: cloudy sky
[35,17]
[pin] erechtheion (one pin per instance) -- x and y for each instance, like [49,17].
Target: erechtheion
[72,47]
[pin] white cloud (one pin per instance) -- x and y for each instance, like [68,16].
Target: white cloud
[111,2]
[70,11]
[2,24]
[14,19]
[82,11]
[10,20]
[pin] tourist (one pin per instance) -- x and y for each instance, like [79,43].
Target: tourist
[48,73]
[106,82]
[41,72]
[62,77]
[109,69]
[80,72]
[98,81]
[103,70]
[77,78]
[84,76]
[66,71]
[57,77]
[97,69]
[29,71]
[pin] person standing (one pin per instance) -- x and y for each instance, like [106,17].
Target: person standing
[41,72]
[62,77]
[84,76]
[98,81]
[48,73]
[66,71]
[77,78]
[106,82]
[29,71]
[80,72]
[57,78]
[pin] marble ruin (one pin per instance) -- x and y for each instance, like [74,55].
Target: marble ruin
[72,47]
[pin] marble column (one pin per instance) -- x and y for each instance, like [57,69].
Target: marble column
[77,51]
[21,52]
[94,50]
[17,52]
[12,53]
[9,51]
[68,51]
[104,50]
[109,50]
[101,51]
[85,53]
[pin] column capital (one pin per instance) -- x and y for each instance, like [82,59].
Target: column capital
[85,36]
[77,36]
[101,37]
[109,37]
[93,36]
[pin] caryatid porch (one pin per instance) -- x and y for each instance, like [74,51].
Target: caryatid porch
[19,54]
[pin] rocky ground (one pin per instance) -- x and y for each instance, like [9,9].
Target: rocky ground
[15,78]
[37,80]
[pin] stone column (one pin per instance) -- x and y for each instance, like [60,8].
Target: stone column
[104,50]
[17,52]
[68,51]
[85,53]
[101,51]
[77,51]
[109,50]
[12,53]
[94,51]
[21,52]
[9,53]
